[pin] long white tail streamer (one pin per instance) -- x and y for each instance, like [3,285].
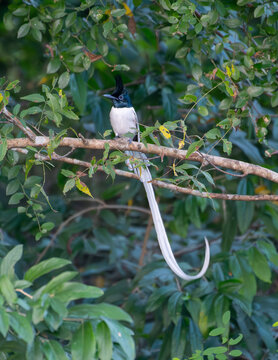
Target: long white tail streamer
[146,178]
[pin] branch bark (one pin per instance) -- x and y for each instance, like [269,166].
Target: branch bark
[188,191]
[236,165]
[14,120]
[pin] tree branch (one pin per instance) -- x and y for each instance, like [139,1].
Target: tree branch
[188,191]
[14,120]
[236,165]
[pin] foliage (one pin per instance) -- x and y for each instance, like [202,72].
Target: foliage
[220,352]
[39,319]
[202,75]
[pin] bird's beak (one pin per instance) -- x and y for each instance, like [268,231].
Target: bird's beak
[111,97]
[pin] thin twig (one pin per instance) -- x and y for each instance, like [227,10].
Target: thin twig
[188,250]
[14,120]
[158,183]
[24,293]
[82,212]
[205,159]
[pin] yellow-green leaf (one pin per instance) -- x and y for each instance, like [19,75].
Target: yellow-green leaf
[83,187]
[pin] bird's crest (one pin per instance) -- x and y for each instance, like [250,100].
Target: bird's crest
[119,86]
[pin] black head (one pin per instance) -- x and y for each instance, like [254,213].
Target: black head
[119,96]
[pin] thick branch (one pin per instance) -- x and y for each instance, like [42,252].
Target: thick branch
[236,165]
[161,184]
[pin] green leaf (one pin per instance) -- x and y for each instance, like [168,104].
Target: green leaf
[226,317]
[227,146]
[67,173]
[255,91]
[235,353]
[53,66]
[15,198]
[194,147]
[198,28]
[70,184]
[31,181]
[259,264]
[269,249]
[233,23]
[45,267]
[57,281]
[181,53]
[83,345]
[21,11]
[48,226]
[70,19]
[3,148]
[104,341]
[178,341]
[69,114]
[166,4]
[274,99]
[7,290]
[123,336]
[12,187]
[4,322]
[220,74]
[203,110]
[30,111]
[215,350]
[64,80]
[12,85]
[120,67]
[78,88]
[73,290]
[236,340]
[197,72]
[13,172]
[22,327]
[259,11]
[225,104]
[94,311]
[53,350]
[245,209]
[36,98]
[23,30]
[217,331]
[35,351]
[37,34]
[190,98]
[118,12]
[168,102]
[229,229]
[9,261]
[213,134]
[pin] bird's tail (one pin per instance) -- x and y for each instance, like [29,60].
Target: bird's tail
[145,177]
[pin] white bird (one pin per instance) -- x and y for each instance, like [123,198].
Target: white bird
[124,122]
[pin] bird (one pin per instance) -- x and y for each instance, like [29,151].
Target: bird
[124,122]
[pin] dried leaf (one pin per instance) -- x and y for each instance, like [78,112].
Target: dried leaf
[91,56]
[131,25]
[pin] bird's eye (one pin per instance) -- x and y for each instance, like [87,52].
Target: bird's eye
[121,97]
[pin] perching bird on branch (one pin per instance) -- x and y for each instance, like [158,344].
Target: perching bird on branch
[124,122]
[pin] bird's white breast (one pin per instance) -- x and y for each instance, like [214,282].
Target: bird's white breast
[123,120]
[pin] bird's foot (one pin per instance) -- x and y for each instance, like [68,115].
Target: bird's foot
[122,140]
